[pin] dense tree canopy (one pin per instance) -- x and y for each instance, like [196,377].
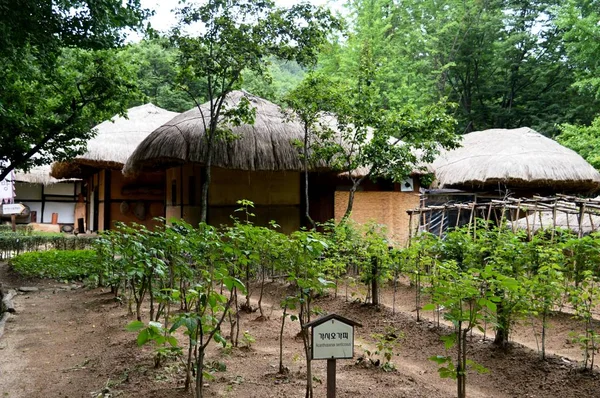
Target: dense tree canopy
[506,63]
[59,78]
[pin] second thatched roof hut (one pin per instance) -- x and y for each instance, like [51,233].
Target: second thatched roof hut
[108,195]
[49,199]
[520,160]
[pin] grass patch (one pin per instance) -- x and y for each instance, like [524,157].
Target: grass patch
[56,264]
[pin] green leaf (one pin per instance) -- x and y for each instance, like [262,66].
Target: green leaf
[135,326]
[439,359]
[143,337]
[172,341]
[449,340]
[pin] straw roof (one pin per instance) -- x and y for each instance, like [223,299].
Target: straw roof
[519,158]
[115,140]
[265,145]
[39,175]
[545,220]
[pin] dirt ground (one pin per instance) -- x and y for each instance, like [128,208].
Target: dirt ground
[70,342]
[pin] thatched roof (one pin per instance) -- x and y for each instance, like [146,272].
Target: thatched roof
[265,145]
[546,220]
[115,140]
[518,158]
[39,175]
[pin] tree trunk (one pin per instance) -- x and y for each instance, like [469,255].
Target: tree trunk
[188,370]
[374,280]
[281,368]
[205,185]
[544,316]
[262,289]
[305,167]
[350,203]
[207,169]
[460,371]
[501,338]
[199,372]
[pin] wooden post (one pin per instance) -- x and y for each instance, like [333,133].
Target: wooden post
[442,222]
[375,281]
[331,378]
[13,221]
[410,231]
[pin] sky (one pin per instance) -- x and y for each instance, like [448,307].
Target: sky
[164,18]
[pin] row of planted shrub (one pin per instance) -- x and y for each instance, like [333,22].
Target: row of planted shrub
[15,243]
[56,264]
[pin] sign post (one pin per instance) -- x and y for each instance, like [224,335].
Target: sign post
[13,210]
[332,338]
[16,209]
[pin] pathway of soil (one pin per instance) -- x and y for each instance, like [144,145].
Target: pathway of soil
[72,343]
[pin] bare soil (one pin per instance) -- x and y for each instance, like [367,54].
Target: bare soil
[72,343]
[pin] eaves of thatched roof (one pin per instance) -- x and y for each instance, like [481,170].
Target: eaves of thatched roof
[115,141]
[518,158]
[39,175]
[268,144]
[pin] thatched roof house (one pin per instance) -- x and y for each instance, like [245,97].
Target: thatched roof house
[37,175]
[516,159]
[115,140]
[49,199]
[266,145]
[262,165]
[108,195]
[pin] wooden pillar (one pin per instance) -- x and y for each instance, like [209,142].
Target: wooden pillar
[180,182]
[107,198]
[43,205]
[331,378]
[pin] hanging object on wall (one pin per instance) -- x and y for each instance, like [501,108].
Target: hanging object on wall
[407,185]
[139,210]
[124,207]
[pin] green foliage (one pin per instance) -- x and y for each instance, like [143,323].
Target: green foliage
[346,128]
[582,139]
[483,275]
[279,79]
[155,65]
[585,297]
[579,19]
[56,264]
[212,63]
[20,228]
[59,76]
[505,63]
[12,244]
[385,344]
[248,339]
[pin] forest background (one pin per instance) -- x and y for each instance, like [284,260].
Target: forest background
[504,63]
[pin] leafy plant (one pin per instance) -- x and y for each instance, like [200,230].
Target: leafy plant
[385,344]
[465,298]
[56,264]
[155,333]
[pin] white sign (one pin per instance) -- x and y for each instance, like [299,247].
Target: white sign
[407,185]
[17,208]
[333,339]
[7,189]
